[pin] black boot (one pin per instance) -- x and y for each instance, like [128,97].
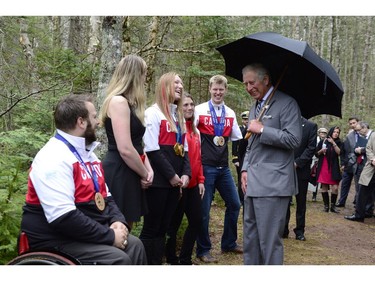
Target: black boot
[314,197]
[325,201]
[154,250]
[170,250]
[158,251]
[333,203]
[149,246]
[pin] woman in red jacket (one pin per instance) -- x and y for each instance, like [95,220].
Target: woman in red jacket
[190,202]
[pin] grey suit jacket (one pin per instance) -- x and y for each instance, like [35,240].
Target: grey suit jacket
[269,159]
[347,151]
[369,170]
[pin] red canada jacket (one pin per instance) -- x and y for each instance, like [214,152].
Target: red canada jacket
[195,158]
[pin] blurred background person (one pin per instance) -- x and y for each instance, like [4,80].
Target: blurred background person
[328,170]
[322,134]
[302,162]
[348,160]
[239,150]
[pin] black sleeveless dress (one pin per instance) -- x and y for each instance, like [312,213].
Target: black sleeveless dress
[123,183]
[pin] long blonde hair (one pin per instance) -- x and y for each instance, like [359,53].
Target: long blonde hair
[164,95]
[127,80]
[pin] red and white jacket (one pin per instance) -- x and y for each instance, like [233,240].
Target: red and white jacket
[213,155]
[195,157]
[59,201]
[159,141]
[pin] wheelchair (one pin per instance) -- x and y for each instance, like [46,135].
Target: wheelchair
[40,257]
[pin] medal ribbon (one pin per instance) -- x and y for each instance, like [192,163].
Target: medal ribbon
[218,127]
[94,176]
[178,134]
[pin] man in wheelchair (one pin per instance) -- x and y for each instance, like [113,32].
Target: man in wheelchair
[68,205]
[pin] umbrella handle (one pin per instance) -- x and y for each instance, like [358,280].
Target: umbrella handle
[265,106]
[261,113]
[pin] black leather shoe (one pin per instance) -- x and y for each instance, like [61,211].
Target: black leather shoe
[340,205]
[369,215]
[301,237]
[354,218]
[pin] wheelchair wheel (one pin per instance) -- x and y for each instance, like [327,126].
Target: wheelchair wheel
[43,258]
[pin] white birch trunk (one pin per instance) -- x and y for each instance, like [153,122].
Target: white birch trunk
[94,37]
[112,53]
[65,31]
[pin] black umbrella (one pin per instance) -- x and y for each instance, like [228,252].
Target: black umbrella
[299,71]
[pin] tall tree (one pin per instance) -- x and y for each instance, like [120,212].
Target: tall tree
[111,54]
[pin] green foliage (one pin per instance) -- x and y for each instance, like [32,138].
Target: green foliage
[65,68]
[38,115]
[12,185]
[17,149]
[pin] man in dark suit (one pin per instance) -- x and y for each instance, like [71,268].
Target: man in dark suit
[239,150]
[348,159]
[268,176]
[302,161]
[366,183]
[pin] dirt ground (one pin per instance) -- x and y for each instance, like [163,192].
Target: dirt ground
[330,239]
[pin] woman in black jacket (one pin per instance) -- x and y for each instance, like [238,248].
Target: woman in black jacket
[328,171]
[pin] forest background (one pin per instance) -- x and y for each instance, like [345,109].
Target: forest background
[43,58]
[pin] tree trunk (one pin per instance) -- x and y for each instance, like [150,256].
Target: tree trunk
[94,38]
[29,55]
[65,23]
[151,58]
[364,72]
[112,53]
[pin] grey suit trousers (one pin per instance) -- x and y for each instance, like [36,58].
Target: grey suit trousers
[264,221]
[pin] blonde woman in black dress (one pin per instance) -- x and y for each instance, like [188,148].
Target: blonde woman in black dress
[127,169]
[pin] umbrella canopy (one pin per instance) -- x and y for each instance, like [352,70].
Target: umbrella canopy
[310,79]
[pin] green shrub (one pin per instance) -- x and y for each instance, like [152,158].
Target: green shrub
[17,149]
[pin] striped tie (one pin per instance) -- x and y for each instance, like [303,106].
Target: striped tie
[257,110]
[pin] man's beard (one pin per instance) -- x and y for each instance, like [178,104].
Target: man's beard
[89,135]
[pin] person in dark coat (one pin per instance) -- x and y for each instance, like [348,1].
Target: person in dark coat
[239,150]
[302,162]
[328,171]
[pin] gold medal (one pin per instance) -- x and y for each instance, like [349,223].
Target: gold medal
[182,151]
[176,148]
[179,149]
[99,201]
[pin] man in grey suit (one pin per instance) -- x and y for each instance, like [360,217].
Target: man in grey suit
[268,176]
